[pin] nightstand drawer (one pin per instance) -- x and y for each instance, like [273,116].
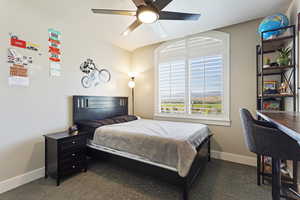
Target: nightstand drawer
[74,156]
[72,167]
[73,143]
[73,152]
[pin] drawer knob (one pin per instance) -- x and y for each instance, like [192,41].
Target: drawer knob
[73,142]
[73,166]
[73,154]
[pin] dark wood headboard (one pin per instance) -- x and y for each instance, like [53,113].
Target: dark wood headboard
[98,107]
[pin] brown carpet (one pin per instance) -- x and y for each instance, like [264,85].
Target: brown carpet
[105,181]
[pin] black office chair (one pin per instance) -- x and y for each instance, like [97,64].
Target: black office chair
[262,138]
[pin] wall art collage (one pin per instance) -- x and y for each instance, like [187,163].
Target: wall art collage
[21,54]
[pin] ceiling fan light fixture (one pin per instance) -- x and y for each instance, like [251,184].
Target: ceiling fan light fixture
[147,16]
[125,33]
[148,11]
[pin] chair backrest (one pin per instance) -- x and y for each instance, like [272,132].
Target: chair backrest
[268,141]
[248,129]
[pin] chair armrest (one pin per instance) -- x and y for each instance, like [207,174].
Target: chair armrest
[274,143]
[264,123]
[266,135]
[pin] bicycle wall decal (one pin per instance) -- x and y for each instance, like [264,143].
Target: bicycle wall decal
[93,76]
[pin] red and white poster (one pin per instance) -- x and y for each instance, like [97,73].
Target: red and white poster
[54,52]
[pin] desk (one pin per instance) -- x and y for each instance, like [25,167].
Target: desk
[289,123]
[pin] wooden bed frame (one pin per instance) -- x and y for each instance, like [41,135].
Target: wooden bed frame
[97,108]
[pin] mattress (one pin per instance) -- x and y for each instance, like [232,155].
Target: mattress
[171,144]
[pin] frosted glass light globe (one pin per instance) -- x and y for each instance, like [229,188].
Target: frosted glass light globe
[131,84]
[148,16]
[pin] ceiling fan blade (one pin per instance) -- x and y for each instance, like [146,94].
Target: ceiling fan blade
[114,12]
[149,1]
[161,4]
[132,27]
[139,3]
[159,29]
[165,15]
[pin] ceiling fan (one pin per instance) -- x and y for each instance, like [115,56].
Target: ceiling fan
[148,11]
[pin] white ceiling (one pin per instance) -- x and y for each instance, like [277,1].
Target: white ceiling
[215,14]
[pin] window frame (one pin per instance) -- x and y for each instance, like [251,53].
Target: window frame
[223,119]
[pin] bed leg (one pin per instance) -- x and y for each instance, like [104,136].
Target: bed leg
[185,193]
[208,150]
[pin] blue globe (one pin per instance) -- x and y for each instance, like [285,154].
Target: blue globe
[273,22]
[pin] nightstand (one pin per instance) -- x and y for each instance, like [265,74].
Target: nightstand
[65,154]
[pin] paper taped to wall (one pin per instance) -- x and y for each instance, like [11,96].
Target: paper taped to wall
[18,81]
[55,69]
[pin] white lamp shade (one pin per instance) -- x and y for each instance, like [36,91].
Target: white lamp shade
[132,74]
[131,84]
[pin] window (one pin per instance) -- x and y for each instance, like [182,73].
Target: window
[192,78]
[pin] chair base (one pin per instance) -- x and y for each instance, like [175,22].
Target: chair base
[282,187]
[262,175]
[294,193]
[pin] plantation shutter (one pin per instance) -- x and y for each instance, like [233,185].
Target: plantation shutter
[206,85]
[172,72]
[206,74]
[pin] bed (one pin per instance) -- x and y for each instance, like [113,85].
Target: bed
[173,150]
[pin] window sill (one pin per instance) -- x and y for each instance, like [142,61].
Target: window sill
[194,119]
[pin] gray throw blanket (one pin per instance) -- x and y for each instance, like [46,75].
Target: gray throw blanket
[169,143]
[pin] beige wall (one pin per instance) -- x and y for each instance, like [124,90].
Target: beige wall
[45,106]
[292,13]
[243,84]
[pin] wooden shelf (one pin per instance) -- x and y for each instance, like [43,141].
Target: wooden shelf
[273,45]
[276,95]
[276,70]
[279,39]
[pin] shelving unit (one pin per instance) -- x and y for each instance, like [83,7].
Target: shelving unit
[283,74]
[286,73]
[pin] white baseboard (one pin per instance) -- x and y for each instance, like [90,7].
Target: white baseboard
[246,160]
[17,181]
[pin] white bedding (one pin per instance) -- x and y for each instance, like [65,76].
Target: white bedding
[169,143]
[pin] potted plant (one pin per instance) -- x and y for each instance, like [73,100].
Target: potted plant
[268,62]
[284,56]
